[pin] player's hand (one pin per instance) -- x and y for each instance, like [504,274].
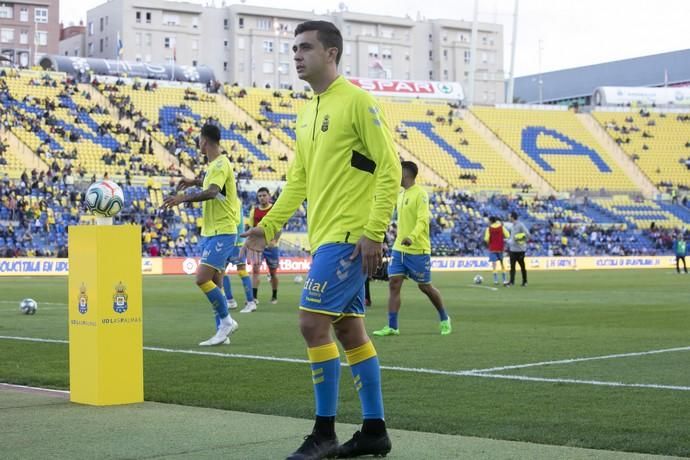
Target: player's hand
[254,245]
[372,254]
[406,242]
[172,200]
[185,183]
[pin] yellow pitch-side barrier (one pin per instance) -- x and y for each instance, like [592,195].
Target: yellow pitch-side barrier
[105,315]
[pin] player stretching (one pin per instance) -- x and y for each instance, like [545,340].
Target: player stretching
[271,254]
[412,252]
[347,168]
[240,262]
[495,237]
[219,227]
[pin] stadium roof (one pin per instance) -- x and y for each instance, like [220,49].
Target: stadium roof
[581,81]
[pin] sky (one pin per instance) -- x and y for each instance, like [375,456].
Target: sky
[552,34]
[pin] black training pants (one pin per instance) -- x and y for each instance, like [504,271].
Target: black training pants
[519,257]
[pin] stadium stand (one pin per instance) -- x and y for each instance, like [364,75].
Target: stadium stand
[62,126]
[436,134]
[10,162]
[35,213]
[276,110]
[642,214]
[174,115]
[557,146]
[37,209]
[658,142]
[79,141]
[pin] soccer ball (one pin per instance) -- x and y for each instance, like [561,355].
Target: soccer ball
[478,279]
[28,306]
[105,198]
[299,279]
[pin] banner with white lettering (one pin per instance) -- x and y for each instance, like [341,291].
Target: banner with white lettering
[411,88]
[452,264]
[43,266]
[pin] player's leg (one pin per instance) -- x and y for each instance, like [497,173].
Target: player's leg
[272,257]
[523,269]
[256,271]
[685,268]
[250,304]
[246,282]
[678,264]
[493,267]
[361,355]
[503,268]
[419,268]
[513,260]
[209,277]
[227,285]
[215,313]
[396,274]
[274,284]
[320,304]
[324,358]
[325,366]
[227,289]
[434,296]
[395,283]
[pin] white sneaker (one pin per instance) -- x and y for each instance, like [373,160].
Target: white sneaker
[250,307]
[232,304]
[226,328]
[274,301]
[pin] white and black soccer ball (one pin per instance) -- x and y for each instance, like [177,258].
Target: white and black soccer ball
[28,306]
[104,198]
[478,279]
[299,279]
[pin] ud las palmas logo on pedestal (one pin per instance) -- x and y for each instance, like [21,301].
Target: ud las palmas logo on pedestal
[120,298]
[83,300]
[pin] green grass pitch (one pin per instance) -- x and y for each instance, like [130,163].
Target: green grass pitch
[632,401]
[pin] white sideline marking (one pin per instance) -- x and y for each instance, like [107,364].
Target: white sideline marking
[172,350]
[578,360]
[467,373]
[229,355]
[25,387]
[32,339]
[584,382]
[482,287]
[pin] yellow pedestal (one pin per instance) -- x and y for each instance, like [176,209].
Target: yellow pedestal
[105,315]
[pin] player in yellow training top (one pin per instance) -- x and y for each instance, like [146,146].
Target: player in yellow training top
[347,169]
[412,252]
[219,229]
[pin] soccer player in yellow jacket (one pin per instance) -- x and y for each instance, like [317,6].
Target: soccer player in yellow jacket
[347,169]
[412,252]
[219,229]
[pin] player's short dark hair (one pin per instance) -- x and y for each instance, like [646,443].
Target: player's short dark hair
[327,33]
[262,189]
[514,215]
[411,167]
[211,132]
[493,219]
